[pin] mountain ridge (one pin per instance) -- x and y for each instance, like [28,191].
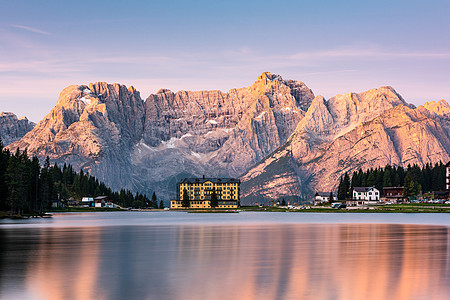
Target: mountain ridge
[276,135]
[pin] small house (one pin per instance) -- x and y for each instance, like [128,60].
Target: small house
[87,201]
[364,196]
[394,194]
[320,198]
[101,201]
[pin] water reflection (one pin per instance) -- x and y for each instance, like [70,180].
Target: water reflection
[359,261]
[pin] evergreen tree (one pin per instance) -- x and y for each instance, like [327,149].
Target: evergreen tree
[35,171]
[154,201]
[214,199]
[283,202]
[161,204]
[185,201]
[14,179]
[331,199]
[341,192]
[4,157]
[387,177]
[344,187]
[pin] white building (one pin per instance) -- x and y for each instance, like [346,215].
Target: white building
[364,196]
[323,198]
[447,176]
[87,201]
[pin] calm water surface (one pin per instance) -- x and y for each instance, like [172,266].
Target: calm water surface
[174,255]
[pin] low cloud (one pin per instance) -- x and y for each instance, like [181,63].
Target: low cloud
[31,29]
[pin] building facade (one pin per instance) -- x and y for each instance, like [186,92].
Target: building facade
[394,194]
[447,176]
[364,196]
[199,191]
[320,198]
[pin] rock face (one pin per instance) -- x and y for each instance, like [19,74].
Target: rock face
[145,146]
[93,128]
[284,140]
[349,132]
[13,129]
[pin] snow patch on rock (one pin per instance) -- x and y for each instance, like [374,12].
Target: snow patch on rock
[259,117]
[86,100]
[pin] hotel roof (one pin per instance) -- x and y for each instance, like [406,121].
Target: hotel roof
[213,180]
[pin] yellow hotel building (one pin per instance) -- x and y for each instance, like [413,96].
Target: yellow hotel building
[199,191]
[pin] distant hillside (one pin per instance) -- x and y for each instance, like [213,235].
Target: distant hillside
[13,129]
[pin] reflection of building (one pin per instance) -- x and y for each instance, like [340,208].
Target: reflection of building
[394,194]
[199,191]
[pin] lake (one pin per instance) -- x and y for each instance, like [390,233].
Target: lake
[249,255]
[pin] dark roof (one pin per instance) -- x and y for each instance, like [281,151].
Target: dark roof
[393,188]
[364,189]
[213,180]
[325,194]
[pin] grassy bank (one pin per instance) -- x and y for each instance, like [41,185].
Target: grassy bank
[400,208]
[83,209]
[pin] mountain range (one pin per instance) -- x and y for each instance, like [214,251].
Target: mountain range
[276,135]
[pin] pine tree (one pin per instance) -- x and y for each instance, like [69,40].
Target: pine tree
[154,201]
[161,204]
[185,201]
[4,157]
[331,199]
[387,181]
[35,171]
[214,200]
[341,190]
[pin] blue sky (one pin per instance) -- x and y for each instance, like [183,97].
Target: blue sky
[333,46]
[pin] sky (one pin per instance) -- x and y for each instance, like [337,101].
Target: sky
[335,47]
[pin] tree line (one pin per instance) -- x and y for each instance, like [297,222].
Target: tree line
[27,187]
[414,179]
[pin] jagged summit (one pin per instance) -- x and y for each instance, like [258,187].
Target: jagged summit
[108,130]
[13,129]
[439,108]
[296,141]
[269,76]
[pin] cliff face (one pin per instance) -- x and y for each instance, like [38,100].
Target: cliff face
[349,132]
[93,128]
[13,129]
[214,133]
[109,131]
[284,140]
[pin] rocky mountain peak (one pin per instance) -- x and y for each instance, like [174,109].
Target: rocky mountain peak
[439,108]
[163,91]
[266,76]
[268,83]
[13,129]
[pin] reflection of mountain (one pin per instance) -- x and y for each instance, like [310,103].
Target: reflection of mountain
[61,269]
[235,262]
